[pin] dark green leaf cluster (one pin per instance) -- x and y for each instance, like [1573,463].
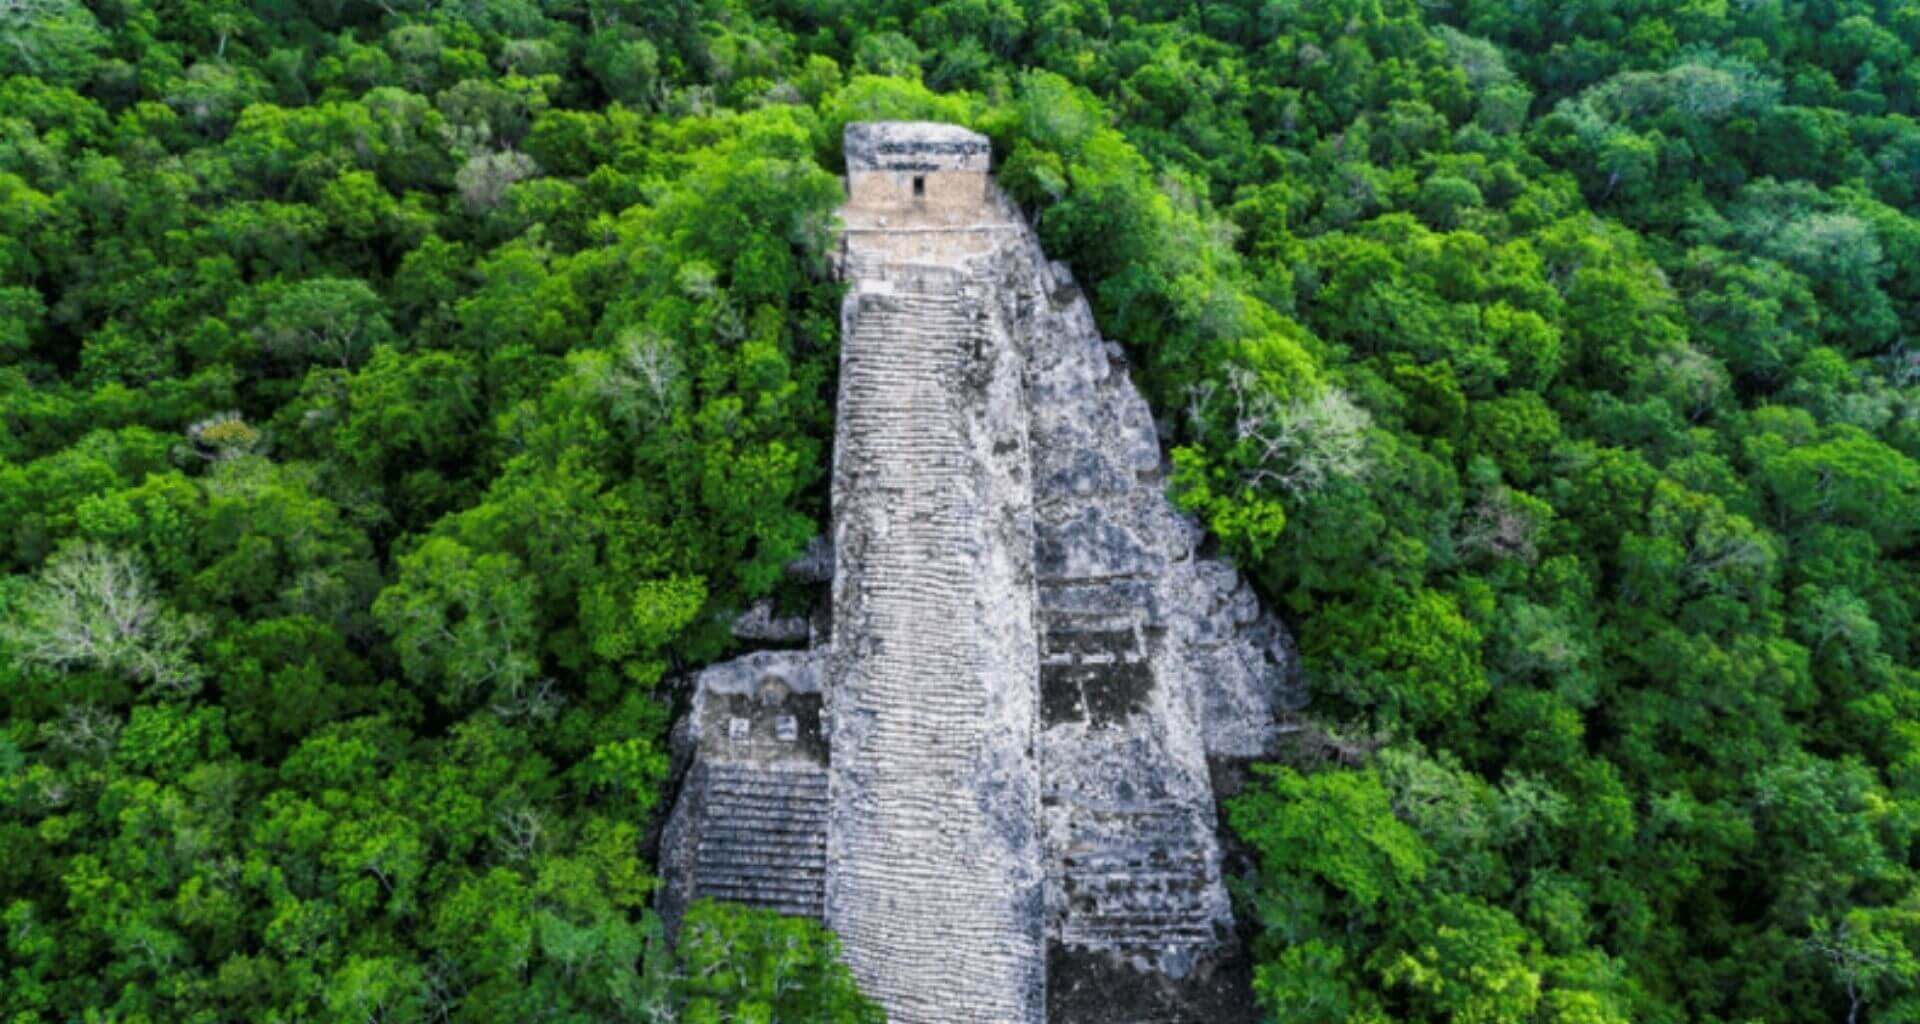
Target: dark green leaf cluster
[390,397]
[1554,365]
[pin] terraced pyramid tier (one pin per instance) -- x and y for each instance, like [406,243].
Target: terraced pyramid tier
[765,843]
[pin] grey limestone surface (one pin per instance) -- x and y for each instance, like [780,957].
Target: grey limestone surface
[914,146]
[760,623]
[992,780]
[934,878]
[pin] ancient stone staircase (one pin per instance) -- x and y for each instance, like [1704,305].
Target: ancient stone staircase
[765,841]
[1136,880]
[921,895]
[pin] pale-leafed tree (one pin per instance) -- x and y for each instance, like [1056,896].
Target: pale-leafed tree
[93,607]
[641,380]
[1839,617]
[698,280]
[1480,59]
[1903,364]
[325,320]
[1694,381]
[1502,525]
[1726,555]
[211,94]
[518,831]
[1298,445]
[1709,92]
[484,179]
[55,39]
[83,730]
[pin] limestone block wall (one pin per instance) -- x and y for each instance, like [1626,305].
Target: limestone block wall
[914,147]
[1151,667]
[919,194]
[917,173]
[935,196]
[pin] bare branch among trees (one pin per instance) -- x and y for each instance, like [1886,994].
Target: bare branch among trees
[641,379]
[83,730]
[1852,958]
[537,702]
[517,832]
[1501,526]
[1695,380]
[325,320]
[93,607]
[1312,744]
[1298,445]
[1727,557]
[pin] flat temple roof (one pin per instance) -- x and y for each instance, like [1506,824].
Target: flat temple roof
[915,146]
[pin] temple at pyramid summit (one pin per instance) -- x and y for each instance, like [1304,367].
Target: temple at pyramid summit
[987,759]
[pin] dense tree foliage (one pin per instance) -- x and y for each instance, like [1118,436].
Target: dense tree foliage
[391,399]
[393,395]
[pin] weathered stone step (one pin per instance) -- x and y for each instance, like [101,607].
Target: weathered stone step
[1148,939]
[923,321]
[1188,865]
[729,819]
[914,311]
[764,839]
[729,855]
[724,771]
[795,905]
[758,841]
[780,823]
[757,784]
[770,810]
[753,891]
[770,802]
[749,794]
[770,783]
[795,837]
[1120,897]
[788,908]
[760,891]
[773,876]
[768,813]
